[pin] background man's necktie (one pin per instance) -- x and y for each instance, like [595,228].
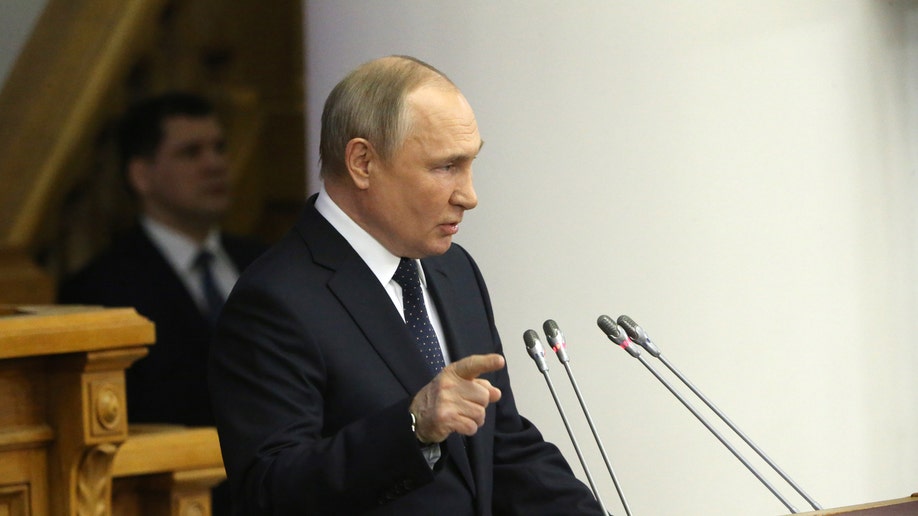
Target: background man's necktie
[416,314]
[213,299]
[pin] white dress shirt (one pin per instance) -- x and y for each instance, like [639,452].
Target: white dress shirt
[379,260]
[383,264]
[181,251]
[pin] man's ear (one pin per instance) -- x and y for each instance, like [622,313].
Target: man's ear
[139,172]
[359,156]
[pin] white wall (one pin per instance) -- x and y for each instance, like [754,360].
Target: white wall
[737,176]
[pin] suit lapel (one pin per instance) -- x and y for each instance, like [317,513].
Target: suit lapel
[370,307]
[367,302]
[449,307]
[453,315]
[360,293]
[165,282]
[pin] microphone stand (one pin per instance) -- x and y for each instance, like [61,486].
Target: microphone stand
[644,341]
[534,347]
[615,335]
[552,333]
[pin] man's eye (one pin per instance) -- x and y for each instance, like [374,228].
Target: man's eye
[190,151]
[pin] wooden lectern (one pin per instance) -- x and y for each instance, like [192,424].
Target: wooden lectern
[65,444]
[898,507]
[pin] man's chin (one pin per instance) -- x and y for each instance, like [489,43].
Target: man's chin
[441,248]
[215,210]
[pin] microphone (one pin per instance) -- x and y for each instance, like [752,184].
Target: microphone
[556,340]
[639,336]
[619,337]
[537,352]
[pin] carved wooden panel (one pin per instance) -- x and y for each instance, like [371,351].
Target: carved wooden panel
[14,500]
[192,505]
[22,380]
[108,415]
[63,423]
[94,482]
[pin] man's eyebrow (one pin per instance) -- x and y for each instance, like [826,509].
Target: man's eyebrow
[464,156]
[480,145]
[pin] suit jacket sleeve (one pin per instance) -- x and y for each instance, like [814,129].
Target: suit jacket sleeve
[285,446]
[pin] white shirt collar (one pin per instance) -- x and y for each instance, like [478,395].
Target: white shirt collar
[382,262]
[178,249]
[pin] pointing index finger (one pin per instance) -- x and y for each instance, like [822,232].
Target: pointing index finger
[472,366]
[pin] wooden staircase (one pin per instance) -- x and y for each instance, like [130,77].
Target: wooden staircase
[61,195]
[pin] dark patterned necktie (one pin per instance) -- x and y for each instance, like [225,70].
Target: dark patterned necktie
[416,314]
[213,299]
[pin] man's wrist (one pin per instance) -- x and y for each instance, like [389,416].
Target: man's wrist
[414,429]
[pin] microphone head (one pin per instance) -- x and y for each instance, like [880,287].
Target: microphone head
[638,335]
[535,349]
[556,339]
[552,331]
[632,329]
[616,335]
[608,326]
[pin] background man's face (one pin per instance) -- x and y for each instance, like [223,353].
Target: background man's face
[188,177]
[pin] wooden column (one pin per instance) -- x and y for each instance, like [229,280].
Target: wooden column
[63,406]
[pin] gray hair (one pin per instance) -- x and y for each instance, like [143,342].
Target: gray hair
[370,103]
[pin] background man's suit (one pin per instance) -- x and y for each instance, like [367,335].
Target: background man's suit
[312,373]
[169,384]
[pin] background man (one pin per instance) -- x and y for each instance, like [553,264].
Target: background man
[175,267]
[357,368]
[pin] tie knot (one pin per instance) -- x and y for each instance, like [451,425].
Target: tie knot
[204,259]
[406,274]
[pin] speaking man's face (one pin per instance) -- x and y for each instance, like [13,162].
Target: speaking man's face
[418,197]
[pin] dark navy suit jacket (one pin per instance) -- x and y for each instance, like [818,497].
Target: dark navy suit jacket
[169,384]
[312,372]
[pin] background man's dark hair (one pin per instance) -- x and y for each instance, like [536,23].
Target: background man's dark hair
[140,131]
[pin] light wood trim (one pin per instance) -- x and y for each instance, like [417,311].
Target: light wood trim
[868,509]
[45,330]
[26,437]
[153,449]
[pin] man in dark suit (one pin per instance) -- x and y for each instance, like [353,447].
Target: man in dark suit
[173,157]
[357,368]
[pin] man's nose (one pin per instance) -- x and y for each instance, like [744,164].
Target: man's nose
[215,158]
[465,195]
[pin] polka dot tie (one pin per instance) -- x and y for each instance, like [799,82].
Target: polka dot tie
[416,314]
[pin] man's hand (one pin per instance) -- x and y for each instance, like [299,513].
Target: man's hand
[456,399]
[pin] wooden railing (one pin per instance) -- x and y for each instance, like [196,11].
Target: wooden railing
[65,444]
